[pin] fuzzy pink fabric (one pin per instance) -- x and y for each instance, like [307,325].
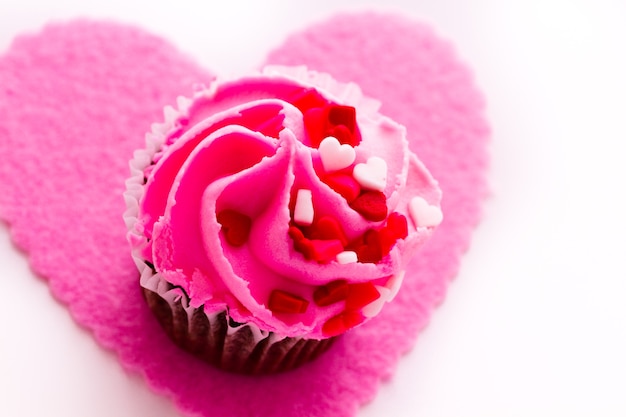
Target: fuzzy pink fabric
[75,101]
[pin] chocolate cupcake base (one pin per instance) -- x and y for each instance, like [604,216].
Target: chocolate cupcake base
[228,345]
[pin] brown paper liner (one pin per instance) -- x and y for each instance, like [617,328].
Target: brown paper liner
[231,346]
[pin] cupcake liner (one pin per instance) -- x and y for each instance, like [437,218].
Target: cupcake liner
[216,339]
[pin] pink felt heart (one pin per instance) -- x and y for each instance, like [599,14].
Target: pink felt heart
[75,101]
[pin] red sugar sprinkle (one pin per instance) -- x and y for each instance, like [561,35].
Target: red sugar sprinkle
[342,120]
[315,123]
[369,254]
[295,233]
[387,239]
[315,249]
[284,302]
[360,295]
[301,243]
[327,228]
[340,323]
[352,318]
[331,120]
[235,226]
[343,135]
[397,225]
[372,205]
[342,115]
[344,184]
[307,99]
[369,249]
[331,293]
[326,250]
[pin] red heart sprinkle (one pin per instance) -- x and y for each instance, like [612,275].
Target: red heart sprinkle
[334,326]
[315,123]
[387,239]
[331,293]
[307,99]
[367,247]
[343,135]
[372,205]
[341,322]
[397,225]
[327,228]
[284,302]
[342,115]
[236,226]
[326,250]
[352,318]
[344,184]
[369,254]
[295,233]
[301,243]
[360,295]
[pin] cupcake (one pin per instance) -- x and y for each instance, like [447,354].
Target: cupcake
[270,214]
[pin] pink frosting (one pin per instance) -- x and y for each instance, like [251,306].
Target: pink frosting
[244,146]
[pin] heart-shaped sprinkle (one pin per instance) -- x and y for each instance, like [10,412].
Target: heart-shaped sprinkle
[398,226]
[315,125]
[303,212]
[330,120]
[307,99]
[373,308]
[372,175]
[423,214]
[284,302]
[360,295]
[369,254]
[331,293]
[342,115]
[301,243]
[387,239]
[372,205]
[235,226]
[347,257]
[327,228]
[334,155]
[325,251]
[343,135]
[344,184]
[341,322]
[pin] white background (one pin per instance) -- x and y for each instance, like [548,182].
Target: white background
[535,323]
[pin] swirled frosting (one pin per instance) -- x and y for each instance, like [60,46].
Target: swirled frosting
[285,199]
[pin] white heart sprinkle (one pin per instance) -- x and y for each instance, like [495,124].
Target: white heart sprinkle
[372,174]
[423,214]
[334,155]
[347,257]
[303,212]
